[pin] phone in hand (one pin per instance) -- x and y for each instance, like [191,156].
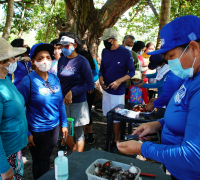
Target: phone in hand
[127,137]
[105,85]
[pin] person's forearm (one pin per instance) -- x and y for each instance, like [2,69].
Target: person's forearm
[125,78]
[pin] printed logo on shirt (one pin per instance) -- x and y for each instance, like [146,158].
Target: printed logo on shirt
[180,94]
[67,70]
[46,91]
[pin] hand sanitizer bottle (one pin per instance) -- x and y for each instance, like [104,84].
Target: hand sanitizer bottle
[61,166]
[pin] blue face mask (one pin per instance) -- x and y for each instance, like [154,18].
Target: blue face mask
[136,83]
[67,52]
[141,53]
[177,69]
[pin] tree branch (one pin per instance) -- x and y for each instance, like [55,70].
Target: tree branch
[149,2]
[112,10]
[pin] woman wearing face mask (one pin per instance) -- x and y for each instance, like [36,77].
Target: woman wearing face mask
[13,123]
[76,79]
[24,66]
[180,138]
[45,108]
[170,82]
[56,55]
[154,61]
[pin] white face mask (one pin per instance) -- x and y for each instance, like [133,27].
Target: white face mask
[43,66]
[129,48]
[12,67]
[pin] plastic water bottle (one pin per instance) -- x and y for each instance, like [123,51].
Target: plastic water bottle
[61,166]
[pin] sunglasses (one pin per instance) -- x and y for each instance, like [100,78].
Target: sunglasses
[47,84]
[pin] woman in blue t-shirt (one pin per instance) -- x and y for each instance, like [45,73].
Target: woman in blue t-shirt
[76,79]
[45,108]
[179,150]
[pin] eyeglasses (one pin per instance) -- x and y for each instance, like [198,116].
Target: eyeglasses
[47,84]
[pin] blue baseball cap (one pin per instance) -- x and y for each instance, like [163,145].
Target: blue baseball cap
[154,60]
[41,47]
[180,31]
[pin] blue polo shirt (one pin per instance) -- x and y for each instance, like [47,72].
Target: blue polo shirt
[45,106]
[23,69]
[115,64]
[170,85]
[180,148]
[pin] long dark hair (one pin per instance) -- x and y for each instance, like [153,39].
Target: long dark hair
[87,54]
[79,47]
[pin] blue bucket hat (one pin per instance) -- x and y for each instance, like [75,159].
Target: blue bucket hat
[154,60]
[180,31]
[41,47]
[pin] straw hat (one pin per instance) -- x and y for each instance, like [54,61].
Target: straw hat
[7,51]
[138,75]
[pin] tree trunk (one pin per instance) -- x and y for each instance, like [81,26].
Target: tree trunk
[49,22]
[21,25]
[164,18]
[6,31]
[89,23]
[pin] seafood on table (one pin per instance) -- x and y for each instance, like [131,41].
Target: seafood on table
[140,108]
[107,171]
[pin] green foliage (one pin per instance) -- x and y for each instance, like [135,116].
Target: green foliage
[45,16]
[184,7]
[141,22]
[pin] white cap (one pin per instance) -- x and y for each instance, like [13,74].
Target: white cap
[60,153]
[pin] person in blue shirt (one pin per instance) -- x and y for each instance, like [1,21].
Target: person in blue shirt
[13,122]
[45,108]
[24,66]
[56,55]
[179,150]
[170,84]
[90,94]
[116,68]
[152,61]
[76,79]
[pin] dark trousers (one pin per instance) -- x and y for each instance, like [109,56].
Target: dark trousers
[42,151]
[90,101]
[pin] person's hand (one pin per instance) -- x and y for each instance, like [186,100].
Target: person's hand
[65,132]
[68,98]
[147,128]
[144,76]
[7,175]
[149,106]
[114,85]
[102,84]
[30,141]
[129,147]
[139,85]
[152,100]
[91,91]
